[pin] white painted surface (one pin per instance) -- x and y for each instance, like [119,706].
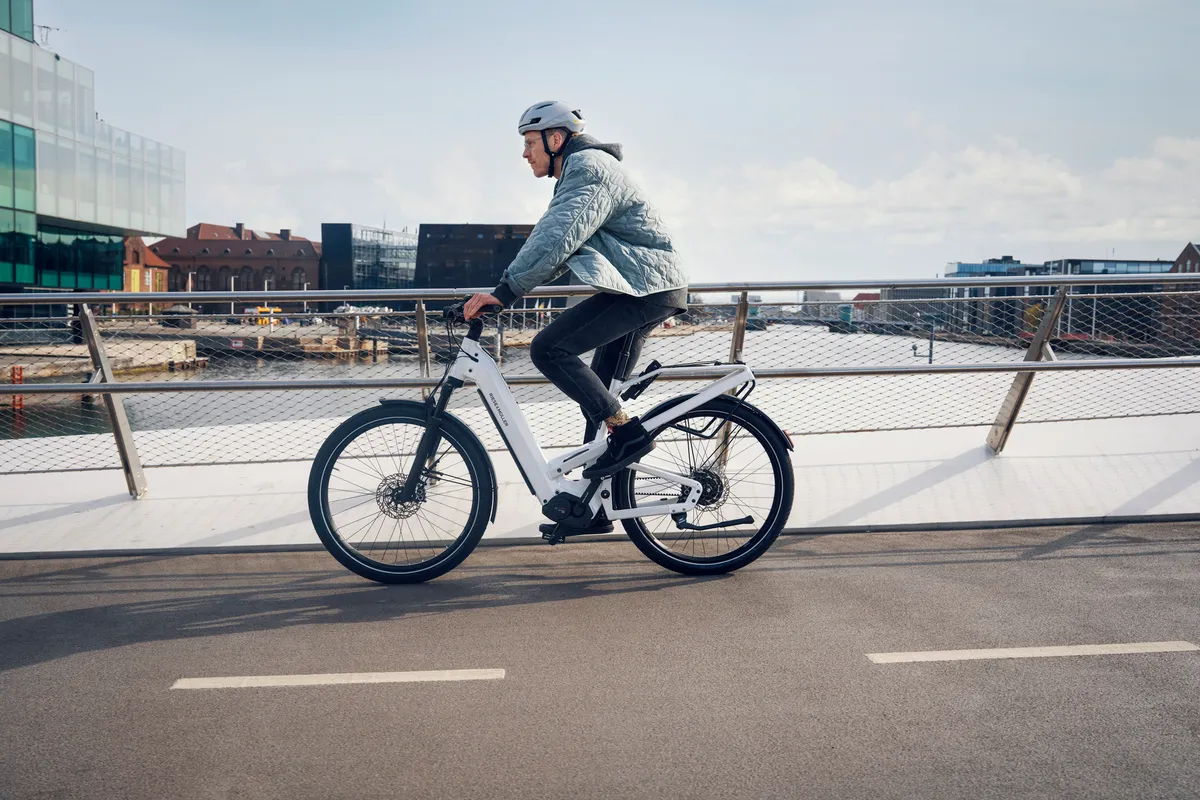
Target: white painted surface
[338,679]
[1034,652]
[1123,467]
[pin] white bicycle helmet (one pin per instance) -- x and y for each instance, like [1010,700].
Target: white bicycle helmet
[551,114]
[548,116]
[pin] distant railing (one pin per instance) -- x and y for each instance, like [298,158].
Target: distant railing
[213,378]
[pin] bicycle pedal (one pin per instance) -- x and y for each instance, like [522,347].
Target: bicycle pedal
[554,538]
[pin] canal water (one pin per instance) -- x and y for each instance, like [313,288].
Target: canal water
[777,347]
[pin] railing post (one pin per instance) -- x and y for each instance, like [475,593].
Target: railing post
[131,463]
[500,340]
[735,354]
[1039,349]
[423,344]
[17,376]
[739,328]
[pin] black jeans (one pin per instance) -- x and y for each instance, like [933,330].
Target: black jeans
[616,327]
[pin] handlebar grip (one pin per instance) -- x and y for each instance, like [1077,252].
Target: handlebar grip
[456,314]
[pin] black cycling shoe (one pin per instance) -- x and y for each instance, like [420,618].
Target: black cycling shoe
[626,444]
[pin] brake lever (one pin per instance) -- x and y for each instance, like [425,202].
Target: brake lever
[455,314]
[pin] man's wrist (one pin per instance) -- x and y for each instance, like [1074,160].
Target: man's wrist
[504,294]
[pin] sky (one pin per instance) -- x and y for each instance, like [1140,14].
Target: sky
[780,140]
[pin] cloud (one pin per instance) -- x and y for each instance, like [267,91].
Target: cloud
[926,128]
[792,219]
[1002,192]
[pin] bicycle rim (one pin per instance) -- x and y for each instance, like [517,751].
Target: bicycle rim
[366,516]
[742,474]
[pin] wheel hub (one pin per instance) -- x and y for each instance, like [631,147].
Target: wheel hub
[713,489]
[388,498]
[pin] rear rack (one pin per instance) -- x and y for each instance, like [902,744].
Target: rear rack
[635,391]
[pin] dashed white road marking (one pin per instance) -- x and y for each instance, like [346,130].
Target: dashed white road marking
[338,678]
[1033,652]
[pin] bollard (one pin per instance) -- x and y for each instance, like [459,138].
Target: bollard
[17,373]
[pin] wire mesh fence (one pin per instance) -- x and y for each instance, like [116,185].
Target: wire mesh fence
[290,341]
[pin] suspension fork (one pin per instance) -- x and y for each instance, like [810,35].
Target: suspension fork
[430,439]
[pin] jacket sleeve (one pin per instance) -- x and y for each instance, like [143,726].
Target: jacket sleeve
[580,207]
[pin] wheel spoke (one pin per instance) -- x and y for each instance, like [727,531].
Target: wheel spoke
[380,523]
[748,488]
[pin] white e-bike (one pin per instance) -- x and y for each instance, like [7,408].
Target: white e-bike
[402,492]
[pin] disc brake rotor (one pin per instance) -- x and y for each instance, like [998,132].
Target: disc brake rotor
[387,496]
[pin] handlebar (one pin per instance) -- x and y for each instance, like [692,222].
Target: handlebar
[455,315]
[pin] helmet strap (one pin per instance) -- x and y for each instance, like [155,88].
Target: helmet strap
[553,155]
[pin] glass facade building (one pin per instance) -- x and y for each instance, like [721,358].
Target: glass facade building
[88,171]
[993,267]
[71,186]
[1093,266]
[69,258]
[18,222]
[359,257]
[1109,315]
[16,17]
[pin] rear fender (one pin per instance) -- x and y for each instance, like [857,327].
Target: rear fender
[729,404]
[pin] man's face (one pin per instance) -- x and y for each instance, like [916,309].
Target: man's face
[535,153]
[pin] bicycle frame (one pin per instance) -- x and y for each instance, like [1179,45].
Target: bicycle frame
[546,478]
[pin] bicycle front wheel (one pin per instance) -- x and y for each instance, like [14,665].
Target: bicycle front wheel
[743,466]
[355,495]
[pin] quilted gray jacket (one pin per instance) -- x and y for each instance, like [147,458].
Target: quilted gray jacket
[601,227]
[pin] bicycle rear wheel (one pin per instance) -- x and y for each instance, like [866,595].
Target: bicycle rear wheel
[744,469]
[354,496]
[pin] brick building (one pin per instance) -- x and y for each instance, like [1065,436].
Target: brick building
[144,270]
[221,258]
[1189,259]
[1181,312]
[866,307]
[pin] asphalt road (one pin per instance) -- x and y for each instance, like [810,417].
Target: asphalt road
[621,680]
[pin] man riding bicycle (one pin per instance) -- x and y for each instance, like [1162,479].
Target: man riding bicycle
[601,227]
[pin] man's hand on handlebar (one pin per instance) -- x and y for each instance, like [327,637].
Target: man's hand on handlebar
[478,304]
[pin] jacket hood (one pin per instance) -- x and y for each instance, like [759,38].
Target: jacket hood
[584,142]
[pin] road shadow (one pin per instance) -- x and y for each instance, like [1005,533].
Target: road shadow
[190,604]
[115,602]
[66,510]
[939,473]
[1143,503]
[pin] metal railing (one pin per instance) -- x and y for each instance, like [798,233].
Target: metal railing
[212,383]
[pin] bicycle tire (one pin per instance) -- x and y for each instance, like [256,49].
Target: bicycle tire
[776,449]
[459,437]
